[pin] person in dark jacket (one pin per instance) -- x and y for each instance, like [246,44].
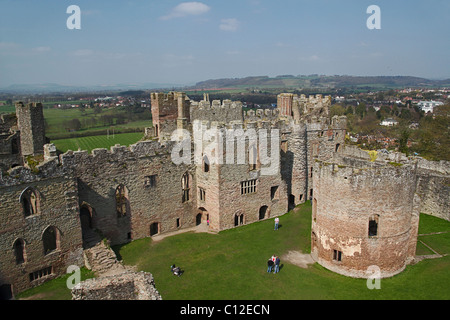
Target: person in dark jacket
[277,265]
[270,264]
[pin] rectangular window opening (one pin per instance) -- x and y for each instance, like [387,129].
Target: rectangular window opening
[337,255]
[248,187]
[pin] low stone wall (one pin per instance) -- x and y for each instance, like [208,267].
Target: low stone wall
[125,286]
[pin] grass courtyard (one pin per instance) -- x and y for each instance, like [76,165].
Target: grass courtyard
[93,142]
[231,265]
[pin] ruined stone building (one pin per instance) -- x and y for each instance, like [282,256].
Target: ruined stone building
[50,205]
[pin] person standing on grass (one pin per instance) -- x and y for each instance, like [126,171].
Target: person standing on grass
[277,220]
[269,265]
[277,265]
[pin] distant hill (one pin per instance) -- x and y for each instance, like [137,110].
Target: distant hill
[316,81]
[57,88]
[260,82]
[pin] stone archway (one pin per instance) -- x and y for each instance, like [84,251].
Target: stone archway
[201,216]
[90,237]
[263,212]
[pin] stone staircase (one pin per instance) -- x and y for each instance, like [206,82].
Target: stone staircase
[102,260]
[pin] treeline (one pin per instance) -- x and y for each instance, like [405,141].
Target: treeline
[111,118]
[427,135]
[261,98]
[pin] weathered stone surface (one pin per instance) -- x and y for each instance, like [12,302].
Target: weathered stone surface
[78,192]
[124,286]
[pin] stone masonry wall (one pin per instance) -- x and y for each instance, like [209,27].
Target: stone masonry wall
[125,286]
[100,173]
[30,120]
[347,195]
[58,207]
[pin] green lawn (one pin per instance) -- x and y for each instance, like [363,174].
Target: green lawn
[93,142]
[55,289]
[55,119]
[231,265]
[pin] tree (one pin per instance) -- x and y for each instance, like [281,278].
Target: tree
[403,139]
[434,135]
[72,125]
[337,110]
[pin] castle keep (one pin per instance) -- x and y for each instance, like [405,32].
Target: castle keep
[52,206]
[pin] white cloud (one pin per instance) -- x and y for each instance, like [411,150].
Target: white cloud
[83,52]
[41,49]
[187,9]
[231,24]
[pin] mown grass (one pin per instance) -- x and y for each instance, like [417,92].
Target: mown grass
[55,119]
[93,142]
[231,265]
[55,289]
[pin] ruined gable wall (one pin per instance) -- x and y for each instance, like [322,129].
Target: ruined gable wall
[100,173]
[58,208]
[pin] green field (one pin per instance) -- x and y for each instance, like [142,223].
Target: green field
[55,119]
[231,265]
[93,142]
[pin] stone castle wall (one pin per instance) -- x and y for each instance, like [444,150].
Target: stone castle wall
[433,182]
[126,286]
[157,199]
[30,120]
[347,196]
[58,208]
[99,174]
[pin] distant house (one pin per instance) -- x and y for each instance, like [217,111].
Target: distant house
[389,122]
[428,106]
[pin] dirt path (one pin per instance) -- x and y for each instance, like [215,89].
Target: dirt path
[198,229]
[299,259]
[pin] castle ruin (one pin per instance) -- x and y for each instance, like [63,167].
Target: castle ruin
[49,210]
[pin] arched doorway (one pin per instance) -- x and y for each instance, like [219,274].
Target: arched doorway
[238,219]
[85,218]
[198,219]
[90,237]
[6,292]
[262,212]
[202,216]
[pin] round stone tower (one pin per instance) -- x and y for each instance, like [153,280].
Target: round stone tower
[364,214]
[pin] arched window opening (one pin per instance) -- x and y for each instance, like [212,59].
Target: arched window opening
[122,201]
[185,185]
[30,202]
[238,219]
[51,240]
[19,251]
[205,164]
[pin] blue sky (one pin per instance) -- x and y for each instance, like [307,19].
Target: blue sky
[183,42]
